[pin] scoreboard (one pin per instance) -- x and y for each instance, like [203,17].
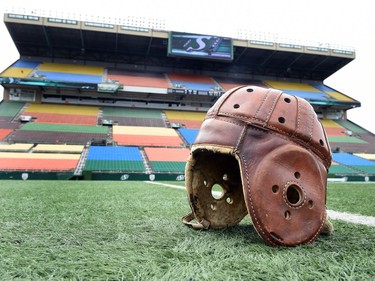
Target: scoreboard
[200,46]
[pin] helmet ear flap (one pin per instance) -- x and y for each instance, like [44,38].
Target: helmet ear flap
[287,208]
[214,188]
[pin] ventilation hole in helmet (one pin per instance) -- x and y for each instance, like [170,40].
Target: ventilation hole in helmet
[310,204]
[287,215]
[217,191]
[250,90]
[229,200]
[294,195]
[236,106]
[276,237]
[213,207]
[225,177]
[297,175]
[282,120]
[205,183]
[287,100]
[275,189]
[321,142]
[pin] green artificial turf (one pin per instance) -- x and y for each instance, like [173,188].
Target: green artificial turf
[356,198]
[99,230]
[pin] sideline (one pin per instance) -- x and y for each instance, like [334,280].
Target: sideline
[347,217]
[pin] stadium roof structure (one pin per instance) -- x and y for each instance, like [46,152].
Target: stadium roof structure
[56,38]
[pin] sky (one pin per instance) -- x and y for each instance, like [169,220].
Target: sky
[344,24]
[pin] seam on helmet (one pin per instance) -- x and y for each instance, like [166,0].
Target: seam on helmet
[241,138]
[217,107]
[284,135]
[319,230]
[235,122]
[298,115]
[254,217]
[273,106]
[279,132]
[260,106]
[311,115]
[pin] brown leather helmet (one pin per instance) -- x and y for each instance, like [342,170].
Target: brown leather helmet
[269,155]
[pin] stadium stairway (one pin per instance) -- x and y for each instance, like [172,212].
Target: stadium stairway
[146,161]
[81,162]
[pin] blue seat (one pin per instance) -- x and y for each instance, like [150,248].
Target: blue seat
[189,134]
[70,77]
[351,160]
[307,95]
[25,64]
[114,153]
[196,86]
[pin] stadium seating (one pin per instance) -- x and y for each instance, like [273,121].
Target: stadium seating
[127,78]
[185,118]
[73,73]
[331,92]
[133,117]
[302,90]
[58,148]
[63,114]
[362,165]
[11,161]
[230,83]
[146,136]
[340,170]
[15,147]
[20,69]
[189,134]
[57,133]
[167,159]
[193,82]
[8,112]
[368,156]
[114,158]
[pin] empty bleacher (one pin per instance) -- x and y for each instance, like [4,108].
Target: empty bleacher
[169,160]
[138,79]
[58,148]
[20,69]
[8,112]
[333,94]
[63,114]
[302,90]
[15,147]
[146,136]
[115,159]
[186,118]
[229,83]
[359,164]
[162,135]
[368,156]
[193,82]
[57,133]
[189,134]
[344,135]
[133,117]
[73,73]
[11,161]
[337,169]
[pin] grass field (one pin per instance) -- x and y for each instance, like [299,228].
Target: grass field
[91,230]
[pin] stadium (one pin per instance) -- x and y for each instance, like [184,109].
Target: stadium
[93,104]
[121,102]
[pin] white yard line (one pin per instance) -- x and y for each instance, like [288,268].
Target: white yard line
[347,217]
[352,218]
